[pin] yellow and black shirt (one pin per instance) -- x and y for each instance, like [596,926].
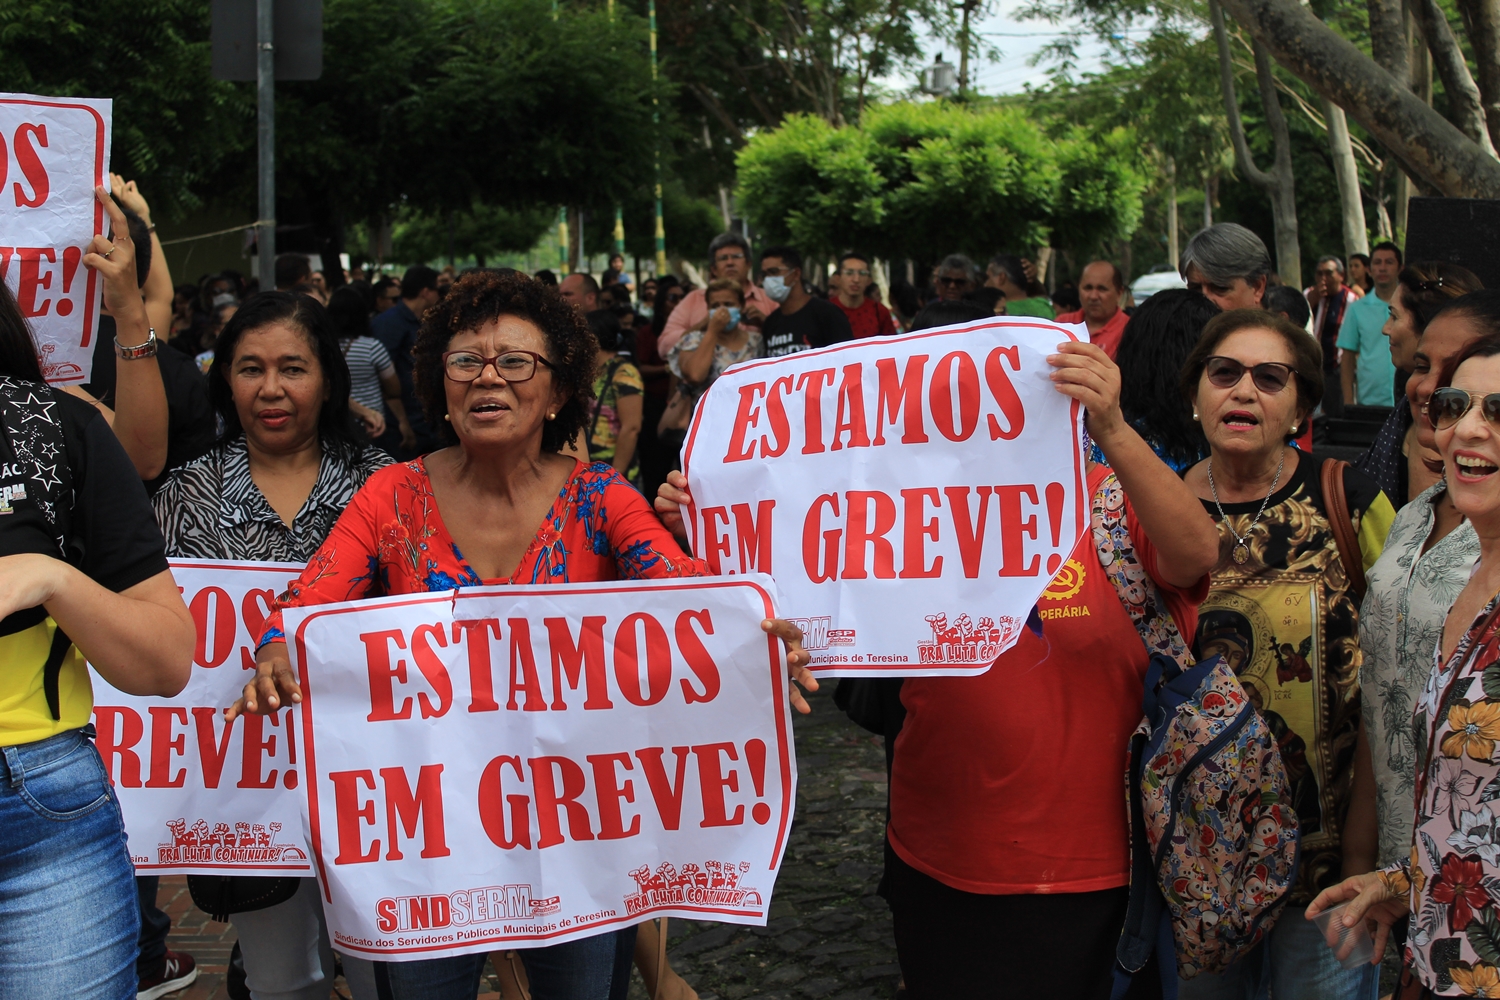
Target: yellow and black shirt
[107,532]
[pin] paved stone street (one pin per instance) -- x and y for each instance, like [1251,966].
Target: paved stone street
[829,935]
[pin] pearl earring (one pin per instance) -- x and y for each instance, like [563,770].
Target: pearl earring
[551,416]
[1195,414]
[448,418]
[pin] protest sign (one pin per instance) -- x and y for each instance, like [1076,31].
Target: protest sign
[53,152]
[912,496]
[201,796]
[513,766]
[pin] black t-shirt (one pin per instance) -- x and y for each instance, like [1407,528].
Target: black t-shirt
[191,426]
[110,533]
[817,324]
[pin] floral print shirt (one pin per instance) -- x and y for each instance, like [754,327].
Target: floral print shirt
[1452,876]
[392,540]
[1400,624]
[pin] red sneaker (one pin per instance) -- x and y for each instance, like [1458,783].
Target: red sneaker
[177,972]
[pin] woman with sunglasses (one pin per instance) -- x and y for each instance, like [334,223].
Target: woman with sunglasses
[506,368]
[1281,611]
[1443,884]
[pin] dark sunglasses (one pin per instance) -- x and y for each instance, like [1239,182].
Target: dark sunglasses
[1268,376]
[1447,407]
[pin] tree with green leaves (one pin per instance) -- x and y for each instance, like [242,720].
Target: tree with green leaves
[924,180]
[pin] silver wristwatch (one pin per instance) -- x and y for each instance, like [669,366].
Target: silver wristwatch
[146,350]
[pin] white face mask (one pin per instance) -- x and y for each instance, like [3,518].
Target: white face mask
[776,288]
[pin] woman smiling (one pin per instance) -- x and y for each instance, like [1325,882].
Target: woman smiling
[1283,609]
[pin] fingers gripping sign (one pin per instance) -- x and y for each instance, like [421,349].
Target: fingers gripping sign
[274,684]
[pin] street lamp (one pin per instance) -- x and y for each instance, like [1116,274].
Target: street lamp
[940,79]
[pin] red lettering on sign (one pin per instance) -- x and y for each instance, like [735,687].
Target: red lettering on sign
[696,654]
[941,396]
[492,803]
[753,532]
[658,660]
[781,429]
[351,814]
[811,384]
[916,532]
[715,544]
[861,533]
[523,658]
[585,658]
[850,415]
[811,526]
[433,670]
[163,742]
[481,673]
[896,393]
[1004,392]
[33,280]
[214,644]
[378,663]
[609,792]
[969,531]
[210,753]
[746,417]
[549,798]
[112,743]
[712,781]
[406,806]
[666,794]
[253,748]
[1012,527]
[31,165]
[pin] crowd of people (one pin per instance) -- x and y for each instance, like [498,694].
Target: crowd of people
[521,422]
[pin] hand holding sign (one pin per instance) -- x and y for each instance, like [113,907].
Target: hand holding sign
[114,258]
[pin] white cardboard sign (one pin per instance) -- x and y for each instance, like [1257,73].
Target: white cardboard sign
[201,797]
[511,766]
[912,496]
[53,152]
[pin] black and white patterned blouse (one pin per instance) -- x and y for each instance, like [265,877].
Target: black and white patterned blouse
[212,509]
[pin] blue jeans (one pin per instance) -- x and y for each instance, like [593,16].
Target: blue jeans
[1292,962]
[592,968]
[69,913]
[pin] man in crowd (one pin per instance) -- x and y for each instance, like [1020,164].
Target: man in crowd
[867,318]
[396,328]
[1099,292]
[581,290]
[801,321]
[292,269]
[1007,273]
[1366,373]
[954,278]
[1330,298]
[387,294]
[1228,264]
[729,255]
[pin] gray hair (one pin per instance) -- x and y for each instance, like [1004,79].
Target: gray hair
[728,240]
[958,262]
[1338,265]
[1226,251]
[1011,265]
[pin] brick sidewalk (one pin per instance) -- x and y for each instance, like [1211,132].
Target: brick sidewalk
[208,941]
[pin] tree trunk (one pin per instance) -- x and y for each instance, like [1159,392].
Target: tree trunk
[1388,42]
[1208,201]
[1278,182]
[1482,18]
[1464,104]
[1346,172]
[1427,143]
[1174,246]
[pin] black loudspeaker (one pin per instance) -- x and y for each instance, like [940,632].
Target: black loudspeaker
[1463,231]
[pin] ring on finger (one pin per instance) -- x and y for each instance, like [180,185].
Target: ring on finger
[106,253]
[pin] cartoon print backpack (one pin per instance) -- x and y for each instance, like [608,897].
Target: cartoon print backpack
[1213,834]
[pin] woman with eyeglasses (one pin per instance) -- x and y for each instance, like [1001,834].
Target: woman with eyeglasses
[1282,611]
[506,368]
[1444,885]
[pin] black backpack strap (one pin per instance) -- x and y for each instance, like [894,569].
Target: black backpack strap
[52,669]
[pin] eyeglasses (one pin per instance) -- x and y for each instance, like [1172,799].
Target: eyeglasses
[1268,376]
[513,366]
[850,272]
[1447,407]
[952,282]
[724,258]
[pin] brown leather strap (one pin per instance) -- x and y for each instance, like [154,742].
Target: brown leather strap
[1337,505]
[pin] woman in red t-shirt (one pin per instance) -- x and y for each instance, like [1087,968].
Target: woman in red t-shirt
[506,368]
[1007,860]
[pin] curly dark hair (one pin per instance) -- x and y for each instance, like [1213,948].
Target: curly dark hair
[483,296]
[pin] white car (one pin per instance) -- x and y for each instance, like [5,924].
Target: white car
[1148,285]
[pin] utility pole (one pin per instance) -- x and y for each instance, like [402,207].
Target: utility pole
[265,88]
[661,232]
[964,45]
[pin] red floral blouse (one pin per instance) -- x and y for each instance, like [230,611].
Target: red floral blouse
[392,540]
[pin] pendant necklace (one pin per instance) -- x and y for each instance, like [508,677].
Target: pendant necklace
[1242,545]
